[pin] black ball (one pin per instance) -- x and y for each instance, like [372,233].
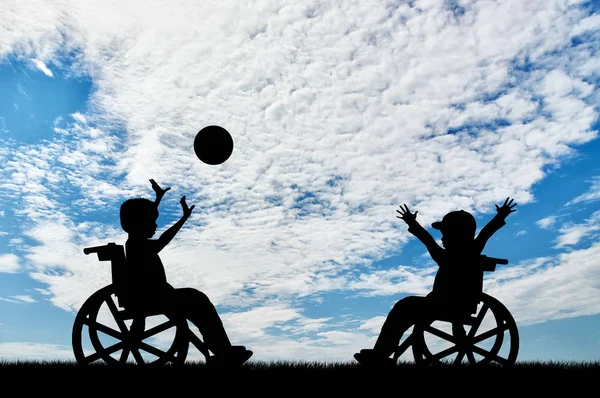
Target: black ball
[213,145]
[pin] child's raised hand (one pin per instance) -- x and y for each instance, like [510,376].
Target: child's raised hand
[406,215]
[506,208]
[159,191]
[187,211]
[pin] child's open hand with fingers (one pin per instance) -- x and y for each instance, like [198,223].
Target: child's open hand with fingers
[406,215]
[187,211]
[506,208]
[159,191]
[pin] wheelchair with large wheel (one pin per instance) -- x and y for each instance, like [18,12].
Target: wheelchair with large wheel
[118,331]
[487,336]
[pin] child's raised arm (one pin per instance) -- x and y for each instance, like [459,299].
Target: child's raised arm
[169,234]
[159,192]
[417,230]
[494,224]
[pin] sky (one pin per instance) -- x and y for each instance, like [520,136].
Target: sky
[340,111]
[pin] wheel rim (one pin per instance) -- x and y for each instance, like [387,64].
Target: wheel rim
[115,342]
[91,305]
[481,345]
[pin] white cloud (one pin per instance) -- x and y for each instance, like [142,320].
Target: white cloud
[572,234]
[590,23]
[79,117]
[9,263]
[410,280]
[8,300]
[373,325]
[547,222]
[41,66]
[592,194]
[25,298]
[23,351]
[251,324]
[19,299]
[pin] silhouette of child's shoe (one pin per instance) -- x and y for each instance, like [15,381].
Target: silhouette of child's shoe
[235,356]
[370,357]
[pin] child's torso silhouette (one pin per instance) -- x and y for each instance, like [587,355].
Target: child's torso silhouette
[459,278]
[146,277]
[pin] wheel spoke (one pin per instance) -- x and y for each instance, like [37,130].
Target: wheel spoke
[445,353]
[403,347]
[440,334]
[471,357]
[116,315]
[489,355]
[104,329]
[105,351]
[459,357]
[478,320]
[94,357]
[492,332]
[198,343]
[137,356]
[124,355]
[157,329]
[152,350]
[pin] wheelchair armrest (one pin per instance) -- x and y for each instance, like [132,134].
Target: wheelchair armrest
[489,263]
[498,260]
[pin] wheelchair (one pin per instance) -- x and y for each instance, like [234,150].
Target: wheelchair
[118,332]
[455,339]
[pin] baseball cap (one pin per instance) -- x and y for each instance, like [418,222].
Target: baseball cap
[457,221]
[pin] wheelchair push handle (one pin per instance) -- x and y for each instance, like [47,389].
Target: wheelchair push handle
[105,252]
[94,249]
[497,260]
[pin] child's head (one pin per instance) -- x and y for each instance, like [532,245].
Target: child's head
[138,217]
[458,228]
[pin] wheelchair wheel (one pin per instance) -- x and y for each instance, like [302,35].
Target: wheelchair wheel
[116,338]
[491,337]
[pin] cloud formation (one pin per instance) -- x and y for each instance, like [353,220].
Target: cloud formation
[591,195]
[9,263]
[34,352]
[588,228]
[41,66]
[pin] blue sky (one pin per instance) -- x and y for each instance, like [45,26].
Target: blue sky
[339,114]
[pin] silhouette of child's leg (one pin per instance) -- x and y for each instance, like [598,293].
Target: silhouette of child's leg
[404,314]
[196,306]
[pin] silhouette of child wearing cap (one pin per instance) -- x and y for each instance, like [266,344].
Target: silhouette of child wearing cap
[457,283]
[147,286]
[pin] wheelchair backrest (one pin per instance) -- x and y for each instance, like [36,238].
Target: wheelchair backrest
[116,255]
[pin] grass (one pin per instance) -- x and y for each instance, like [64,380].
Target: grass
[308,366]
[285,377]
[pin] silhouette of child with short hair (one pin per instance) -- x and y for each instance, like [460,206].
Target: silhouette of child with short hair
[147,285]
[457,283]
